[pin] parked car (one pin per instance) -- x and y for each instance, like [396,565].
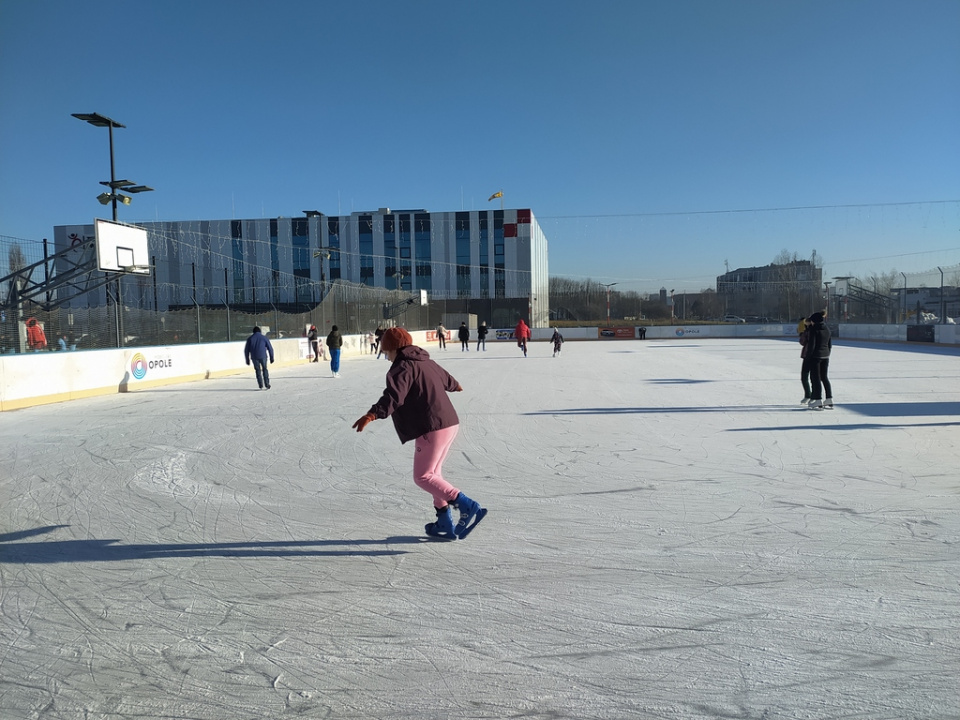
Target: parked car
[733,319]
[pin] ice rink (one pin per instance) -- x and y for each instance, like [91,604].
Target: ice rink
[670,535]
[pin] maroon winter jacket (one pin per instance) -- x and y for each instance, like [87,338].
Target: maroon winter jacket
[416,395]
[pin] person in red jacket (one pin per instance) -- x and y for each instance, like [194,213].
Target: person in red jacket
[416,399]
[36,339]
[522,334]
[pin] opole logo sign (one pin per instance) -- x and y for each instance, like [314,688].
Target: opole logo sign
[139,365]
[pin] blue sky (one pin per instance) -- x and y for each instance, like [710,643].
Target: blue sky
[656,142]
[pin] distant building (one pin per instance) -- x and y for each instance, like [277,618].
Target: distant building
[780,292]
[497,256]
[914,302]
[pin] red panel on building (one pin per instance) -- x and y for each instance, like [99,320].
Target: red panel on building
[523,216]
[509,230]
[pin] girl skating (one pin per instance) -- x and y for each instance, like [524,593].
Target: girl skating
[416,399]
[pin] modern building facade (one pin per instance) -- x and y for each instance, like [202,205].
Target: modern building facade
[485,255]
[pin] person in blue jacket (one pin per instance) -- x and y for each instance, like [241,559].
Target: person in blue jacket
[257,348]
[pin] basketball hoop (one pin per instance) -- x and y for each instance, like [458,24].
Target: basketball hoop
[137,269]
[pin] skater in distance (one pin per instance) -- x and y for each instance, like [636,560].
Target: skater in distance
[313,337]
[819,348]
[416,399]
[334,343]
[557,341]
[482,336]
[805,337]
[257,348]
[522,334]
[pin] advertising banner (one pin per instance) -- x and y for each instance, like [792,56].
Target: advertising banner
[617,333]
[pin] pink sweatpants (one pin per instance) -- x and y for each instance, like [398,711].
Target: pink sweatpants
[431,451]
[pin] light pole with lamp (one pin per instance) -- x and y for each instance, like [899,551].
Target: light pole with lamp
[903,313]
[608,286]
[943,302]
[324,254]
[98,120]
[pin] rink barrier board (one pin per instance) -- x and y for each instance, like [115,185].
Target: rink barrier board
[30,379]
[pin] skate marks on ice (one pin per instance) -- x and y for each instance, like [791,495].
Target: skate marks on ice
[640,564]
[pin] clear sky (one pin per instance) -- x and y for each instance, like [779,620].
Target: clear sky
[656,142]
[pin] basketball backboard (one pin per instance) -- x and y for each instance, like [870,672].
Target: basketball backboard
[122,248]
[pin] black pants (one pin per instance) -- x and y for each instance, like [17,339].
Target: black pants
[316,350]
[805,368]
[263,375]
[819,380]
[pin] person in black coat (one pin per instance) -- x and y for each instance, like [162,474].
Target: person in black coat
[805,337]
[818,351]
[482,336]
[313,337]
[334,343]
[464,334]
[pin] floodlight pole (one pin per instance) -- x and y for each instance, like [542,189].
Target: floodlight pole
[904,303]
[113,175]
[943,302]
[98,120]
[608,299]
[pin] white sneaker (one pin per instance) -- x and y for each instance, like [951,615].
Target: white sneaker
[816,405]
[828,404]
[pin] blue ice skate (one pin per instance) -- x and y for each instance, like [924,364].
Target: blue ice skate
[442,529]
[470,515]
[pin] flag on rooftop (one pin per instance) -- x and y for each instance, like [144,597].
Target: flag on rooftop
[497,194]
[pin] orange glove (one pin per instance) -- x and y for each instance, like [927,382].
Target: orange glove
[364,421]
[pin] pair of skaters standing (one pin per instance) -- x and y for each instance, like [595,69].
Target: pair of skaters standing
[816,342]
[463,335]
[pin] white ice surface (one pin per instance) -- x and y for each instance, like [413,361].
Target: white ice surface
[670,536]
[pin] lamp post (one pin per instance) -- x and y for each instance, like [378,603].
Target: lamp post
[943,303]
[98,120]
[323,254]
[608,286]
[904,303]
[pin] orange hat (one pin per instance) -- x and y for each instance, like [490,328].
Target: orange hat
[394,339]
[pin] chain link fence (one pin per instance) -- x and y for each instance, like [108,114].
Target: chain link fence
[137,311]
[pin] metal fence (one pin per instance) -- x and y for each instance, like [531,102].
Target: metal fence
[133,321]
[135,310]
